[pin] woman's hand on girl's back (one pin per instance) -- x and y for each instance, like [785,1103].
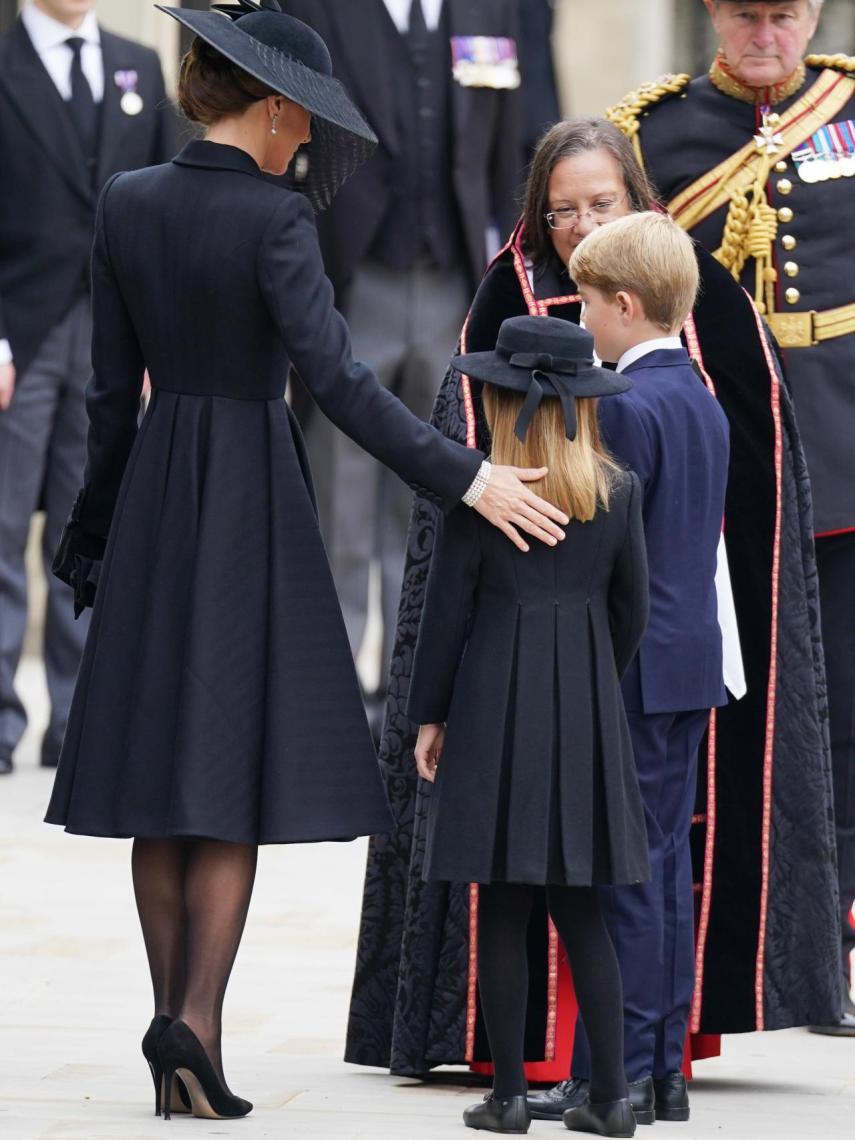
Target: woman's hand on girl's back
[507,503]
[429,750]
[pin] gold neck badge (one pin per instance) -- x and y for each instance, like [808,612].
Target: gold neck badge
[725,81]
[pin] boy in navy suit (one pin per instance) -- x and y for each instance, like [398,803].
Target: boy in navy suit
[638,278]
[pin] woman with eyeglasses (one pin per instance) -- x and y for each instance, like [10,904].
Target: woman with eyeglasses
[765,747]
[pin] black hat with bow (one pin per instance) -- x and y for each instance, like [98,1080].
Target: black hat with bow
[291,58]
[543,358]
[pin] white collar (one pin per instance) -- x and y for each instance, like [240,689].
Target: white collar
[399,10]
[45,32]
[647,346]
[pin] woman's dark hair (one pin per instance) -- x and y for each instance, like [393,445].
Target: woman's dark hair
[565,140]
[211,86]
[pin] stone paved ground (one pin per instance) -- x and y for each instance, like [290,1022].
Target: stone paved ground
[74,1002]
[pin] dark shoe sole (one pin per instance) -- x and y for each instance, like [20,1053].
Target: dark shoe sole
[541,1114]
[833,1030]
[676,1114]
[645,1115]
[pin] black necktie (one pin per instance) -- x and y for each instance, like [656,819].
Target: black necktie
[417,32]
[82,106]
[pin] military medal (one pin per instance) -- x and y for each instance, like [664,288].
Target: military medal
[485,61]
[131,101]
[769,139]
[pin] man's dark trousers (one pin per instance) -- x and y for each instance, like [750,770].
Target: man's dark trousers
[836,563]
[652,925]
[42,455]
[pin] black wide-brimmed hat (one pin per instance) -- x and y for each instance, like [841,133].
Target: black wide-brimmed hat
[291,58]
[542,358]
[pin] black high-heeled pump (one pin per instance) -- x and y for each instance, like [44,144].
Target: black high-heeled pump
[179,1101]
[182,1056]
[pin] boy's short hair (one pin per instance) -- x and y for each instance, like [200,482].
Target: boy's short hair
[646,254]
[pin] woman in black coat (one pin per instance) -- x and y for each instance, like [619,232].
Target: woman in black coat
[523,731]
[217,706]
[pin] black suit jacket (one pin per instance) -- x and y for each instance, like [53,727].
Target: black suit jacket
[47,192]
[486,127]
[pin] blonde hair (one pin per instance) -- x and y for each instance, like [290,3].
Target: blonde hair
[645,254]
[581,472]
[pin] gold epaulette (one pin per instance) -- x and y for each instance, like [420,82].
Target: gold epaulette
[839,62]
[626,114]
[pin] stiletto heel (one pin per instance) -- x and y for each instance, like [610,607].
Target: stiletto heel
[182,1055]
[179,1103]
[168,1089]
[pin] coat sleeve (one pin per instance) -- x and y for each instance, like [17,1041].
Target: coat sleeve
[627,437]
[113,393]
[317,339]
[445,617]
[629,599]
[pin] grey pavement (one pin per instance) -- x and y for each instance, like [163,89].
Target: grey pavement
[74,1001]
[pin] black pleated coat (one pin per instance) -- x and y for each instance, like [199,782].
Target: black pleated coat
[217,695]
[521,654]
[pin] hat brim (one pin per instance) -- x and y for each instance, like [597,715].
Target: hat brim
[341,138]
[492,369]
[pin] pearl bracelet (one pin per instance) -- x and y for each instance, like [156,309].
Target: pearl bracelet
[479,484]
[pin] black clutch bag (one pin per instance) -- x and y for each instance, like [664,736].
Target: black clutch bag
[78,558]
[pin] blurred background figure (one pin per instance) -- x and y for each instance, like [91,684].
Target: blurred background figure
[539,91]
[77,104]
[405,242]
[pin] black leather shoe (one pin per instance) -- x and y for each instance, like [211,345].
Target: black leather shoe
[672,1097]
[845,1027]
[6,765]
[552,1104]
[51,747]
[612,1118]
[510,1114]
[641,1097]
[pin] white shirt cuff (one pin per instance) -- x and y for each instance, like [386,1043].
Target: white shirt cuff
[5,352]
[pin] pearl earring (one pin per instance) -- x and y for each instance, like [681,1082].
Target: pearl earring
[273,124]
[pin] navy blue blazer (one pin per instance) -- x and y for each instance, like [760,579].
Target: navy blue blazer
[671,431]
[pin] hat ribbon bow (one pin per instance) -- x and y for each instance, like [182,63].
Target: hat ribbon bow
[541,363]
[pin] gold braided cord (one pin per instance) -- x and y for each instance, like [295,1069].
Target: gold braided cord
[627,113]
[838,62]
[750,230]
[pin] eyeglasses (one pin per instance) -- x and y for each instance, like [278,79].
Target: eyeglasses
[566,218]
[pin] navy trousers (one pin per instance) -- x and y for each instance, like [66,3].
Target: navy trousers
[652,925]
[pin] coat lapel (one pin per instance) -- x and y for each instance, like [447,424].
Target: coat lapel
[114,121]
[360,38]
[40,105]
[462,18]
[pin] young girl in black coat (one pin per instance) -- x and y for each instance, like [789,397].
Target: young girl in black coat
[523,733]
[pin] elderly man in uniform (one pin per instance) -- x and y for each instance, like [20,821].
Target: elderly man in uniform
[77,104]
[757,161]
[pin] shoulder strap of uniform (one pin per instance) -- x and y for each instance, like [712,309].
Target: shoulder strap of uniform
[626,115]
[839,62]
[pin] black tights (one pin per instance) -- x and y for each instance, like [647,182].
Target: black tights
[192,898]
[504,910]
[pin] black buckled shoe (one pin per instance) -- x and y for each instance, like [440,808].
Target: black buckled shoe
[510,1115]
[552,1104]
[611,1118]
[672,1097]
[642,1099]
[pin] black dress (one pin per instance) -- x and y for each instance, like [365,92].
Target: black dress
[521,655]
[217,695]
